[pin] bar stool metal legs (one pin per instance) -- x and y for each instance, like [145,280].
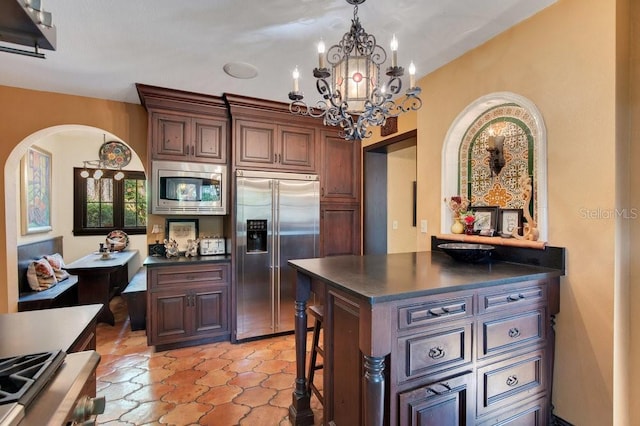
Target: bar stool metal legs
[318,314]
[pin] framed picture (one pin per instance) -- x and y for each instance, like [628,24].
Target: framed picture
[510,219]
[35,191]
[181,230]
[486,218]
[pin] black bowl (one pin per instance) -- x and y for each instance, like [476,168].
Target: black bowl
[469,253]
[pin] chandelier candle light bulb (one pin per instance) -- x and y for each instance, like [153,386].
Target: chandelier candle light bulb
[412,75]
[296,76]
[321,62]
[394,51]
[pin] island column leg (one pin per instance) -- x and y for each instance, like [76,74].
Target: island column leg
[300,413]
[373,390]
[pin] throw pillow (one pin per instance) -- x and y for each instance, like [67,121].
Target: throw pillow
[57,263]
[40,275]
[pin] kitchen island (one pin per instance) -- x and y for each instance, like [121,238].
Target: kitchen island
[416,336]
[71,329]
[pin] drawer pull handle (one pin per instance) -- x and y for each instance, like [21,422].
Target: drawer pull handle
[512,381]
[447,310]
[514,332]
[515,297]
[437,352]
[445,385]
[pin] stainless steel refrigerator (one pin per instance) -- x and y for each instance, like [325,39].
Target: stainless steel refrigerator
[277,219]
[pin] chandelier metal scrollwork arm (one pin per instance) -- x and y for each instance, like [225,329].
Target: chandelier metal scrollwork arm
[352,97]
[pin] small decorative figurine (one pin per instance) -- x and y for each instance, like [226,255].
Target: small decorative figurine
[171,248]
[530,229]
[192,248]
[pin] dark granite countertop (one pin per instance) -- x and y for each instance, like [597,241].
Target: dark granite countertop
[152,261]
[382,278]
[44,330]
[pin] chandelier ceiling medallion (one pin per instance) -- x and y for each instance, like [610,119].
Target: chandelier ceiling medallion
[352,94]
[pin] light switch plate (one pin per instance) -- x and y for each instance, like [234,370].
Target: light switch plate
[423,226]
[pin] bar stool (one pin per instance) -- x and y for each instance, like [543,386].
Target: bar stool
[318,314]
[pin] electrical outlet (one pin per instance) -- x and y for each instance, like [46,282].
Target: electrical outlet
[394,224]
[423,226]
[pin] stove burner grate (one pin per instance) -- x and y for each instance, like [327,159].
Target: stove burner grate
[22,377]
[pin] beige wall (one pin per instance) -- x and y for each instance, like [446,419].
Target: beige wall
[628,374]
[401,173]
[569,60]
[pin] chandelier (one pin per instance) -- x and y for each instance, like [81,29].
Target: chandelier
[113,155]
[352,94]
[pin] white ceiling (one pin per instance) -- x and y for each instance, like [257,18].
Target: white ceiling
[105,47]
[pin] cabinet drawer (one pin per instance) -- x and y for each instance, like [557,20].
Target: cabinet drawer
[507,333]
[191,274]
[506,297]
[506,382]
[429,313]
[530,414]
[448,402]
[435,350]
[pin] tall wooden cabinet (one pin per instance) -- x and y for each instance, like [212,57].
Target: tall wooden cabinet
[340,216]
[185,126]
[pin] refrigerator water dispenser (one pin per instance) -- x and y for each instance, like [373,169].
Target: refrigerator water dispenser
[256,235]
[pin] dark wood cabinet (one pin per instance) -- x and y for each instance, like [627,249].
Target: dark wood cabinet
[272,146]
[185,126]
[341,167]
[188,303]
[178,137]
[339,229]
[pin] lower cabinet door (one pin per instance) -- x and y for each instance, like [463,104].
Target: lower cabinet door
[170,317]
[444,403]
[210,310]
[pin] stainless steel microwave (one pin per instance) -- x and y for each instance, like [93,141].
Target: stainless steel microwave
[188,188]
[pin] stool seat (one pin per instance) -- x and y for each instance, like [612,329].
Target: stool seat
[317,312]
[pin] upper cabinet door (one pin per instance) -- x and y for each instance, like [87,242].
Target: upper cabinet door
[255,144]
[297,148]
[210,139]
[340,174]
[170,136]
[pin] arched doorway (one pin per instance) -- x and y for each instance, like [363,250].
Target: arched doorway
[70,145]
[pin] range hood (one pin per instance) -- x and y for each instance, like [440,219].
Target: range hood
[22,23]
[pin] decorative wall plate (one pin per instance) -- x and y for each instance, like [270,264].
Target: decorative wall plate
[115,154]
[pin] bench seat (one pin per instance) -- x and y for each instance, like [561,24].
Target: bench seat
[64,293]
[135,294]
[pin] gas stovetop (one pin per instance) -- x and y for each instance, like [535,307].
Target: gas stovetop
[23,377]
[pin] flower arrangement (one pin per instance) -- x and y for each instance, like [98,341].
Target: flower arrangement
[468,217]
[457,204]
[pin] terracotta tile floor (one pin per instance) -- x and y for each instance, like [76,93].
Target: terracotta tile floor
[214,384]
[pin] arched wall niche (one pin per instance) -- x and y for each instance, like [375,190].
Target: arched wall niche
[465,160]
